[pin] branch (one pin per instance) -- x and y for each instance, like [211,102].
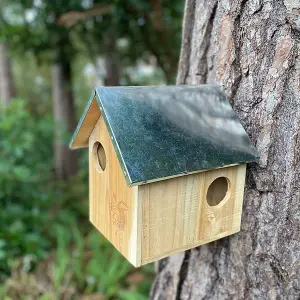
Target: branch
[71,18]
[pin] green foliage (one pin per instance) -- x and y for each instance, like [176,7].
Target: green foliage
[96,267]
[58,31]
[37,215]
[81,265]
[33,83]
[25,193]
[149,29]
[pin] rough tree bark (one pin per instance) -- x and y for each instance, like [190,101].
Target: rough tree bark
[251,48]
[7,89]
[66,161]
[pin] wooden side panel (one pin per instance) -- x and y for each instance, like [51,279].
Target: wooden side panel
[176,215]
[113,205]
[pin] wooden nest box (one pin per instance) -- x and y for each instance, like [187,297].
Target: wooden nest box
[167,167]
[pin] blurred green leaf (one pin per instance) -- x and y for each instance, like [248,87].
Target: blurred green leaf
[132,295]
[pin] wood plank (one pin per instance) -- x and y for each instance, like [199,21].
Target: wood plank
[176,215]
[113,205]
[86,126]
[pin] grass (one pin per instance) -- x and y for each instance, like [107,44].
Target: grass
[81,267]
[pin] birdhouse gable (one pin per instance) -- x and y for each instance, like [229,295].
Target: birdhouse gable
[167,131]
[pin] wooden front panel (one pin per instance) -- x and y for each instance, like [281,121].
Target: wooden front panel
[113,205]
[176,215]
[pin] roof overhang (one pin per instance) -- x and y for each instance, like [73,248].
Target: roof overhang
[86,124]
[161,132]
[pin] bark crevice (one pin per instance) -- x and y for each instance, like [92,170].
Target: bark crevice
[203,64]
[183,274]
[188,24]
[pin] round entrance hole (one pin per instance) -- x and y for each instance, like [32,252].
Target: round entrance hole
[217,191]
[99,157]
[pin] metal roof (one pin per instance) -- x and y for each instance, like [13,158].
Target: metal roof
[166,131]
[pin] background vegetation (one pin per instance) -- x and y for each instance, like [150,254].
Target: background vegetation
[52,53]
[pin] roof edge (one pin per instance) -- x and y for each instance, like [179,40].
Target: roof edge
[185,174]
[113,140]
[80,139]
[86,125]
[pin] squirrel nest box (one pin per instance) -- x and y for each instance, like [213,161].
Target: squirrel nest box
[167,167]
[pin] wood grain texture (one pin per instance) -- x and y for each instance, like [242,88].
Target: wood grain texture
[113,205]
[87,126]
[176,215]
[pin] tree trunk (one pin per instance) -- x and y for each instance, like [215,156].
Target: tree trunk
[66,161]
[112,61]
[251,48]
[7,89]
